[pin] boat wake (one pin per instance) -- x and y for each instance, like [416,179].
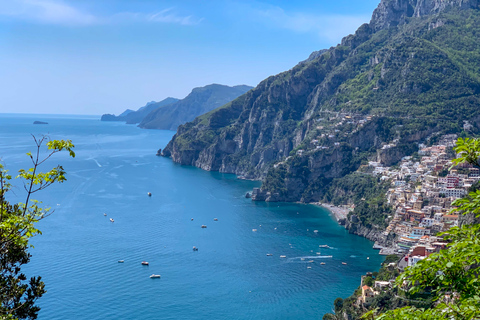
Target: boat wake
[307,258]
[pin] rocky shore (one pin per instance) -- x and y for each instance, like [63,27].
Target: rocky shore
[340,213]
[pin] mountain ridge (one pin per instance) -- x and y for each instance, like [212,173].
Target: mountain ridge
[398,80]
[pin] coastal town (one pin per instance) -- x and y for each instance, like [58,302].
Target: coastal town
[423,188]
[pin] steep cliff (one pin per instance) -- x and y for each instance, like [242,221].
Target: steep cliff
[199,101]
[413,71]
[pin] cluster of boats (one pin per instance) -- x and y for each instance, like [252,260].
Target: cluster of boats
[145,263]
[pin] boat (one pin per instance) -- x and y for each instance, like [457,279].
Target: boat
[149,194]
[269,254]
[105,214]
[309,267]
[121,261]
[315,231]
[111,220]
[318,253]
[145,263]
[192,219]
[344,263]
[322,262]
[195,248]
[311,261]
[283,256]
[303,259]
[254,230]
[153,276]
[215,219]
[323,246]
[203,226]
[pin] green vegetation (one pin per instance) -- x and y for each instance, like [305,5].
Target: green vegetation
[17,225]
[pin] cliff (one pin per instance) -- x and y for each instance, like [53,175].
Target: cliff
[409,74]
[199,101]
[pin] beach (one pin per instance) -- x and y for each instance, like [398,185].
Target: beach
[338,212]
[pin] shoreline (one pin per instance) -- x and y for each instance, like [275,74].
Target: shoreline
[338,212]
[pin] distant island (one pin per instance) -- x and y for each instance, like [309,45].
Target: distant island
[40,122]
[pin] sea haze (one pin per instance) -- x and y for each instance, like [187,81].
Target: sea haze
[230,276]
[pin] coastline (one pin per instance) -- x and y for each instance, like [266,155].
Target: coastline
[339,213]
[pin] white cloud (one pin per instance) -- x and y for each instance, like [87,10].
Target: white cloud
[329,26]
[168,16]
[46,11]
[61,13]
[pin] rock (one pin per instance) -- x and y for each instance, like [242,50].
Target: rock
[248,195]
[159,152]
[40,122]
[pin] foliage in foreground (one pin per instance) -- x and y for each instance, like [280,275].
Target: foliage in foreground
[17,225]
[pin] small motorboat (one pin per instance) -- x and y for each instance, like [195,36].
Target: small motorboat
[318,253]
[344,263]
[269,254]
[368,258]
[322,262]
[121,261]
[302,259]
[144,263]
[316,231]
[309,267]
[323,246]
[154,276]
[192,219]
[105,214]
[215,219]
[254,230]
[283,256]
[149,194]
[195,248]
[204,226]
[111,220]
[311,261]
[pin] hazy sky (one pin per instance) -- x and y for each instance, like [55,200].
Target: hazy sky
[104,56]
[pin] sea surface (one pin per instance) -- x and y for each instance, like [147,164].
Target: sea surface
[229,277]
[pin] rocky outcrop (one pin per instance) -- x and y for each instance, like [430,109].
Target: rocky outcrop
[398,12]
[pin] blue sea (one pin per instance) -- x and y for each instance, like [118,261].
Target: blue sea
[229,277]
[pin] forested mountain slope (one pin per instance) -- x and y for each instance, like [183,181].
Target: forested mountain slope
[409,75]
[198,102]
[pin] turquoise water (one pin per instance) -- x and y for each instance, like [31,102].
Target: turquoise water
[229,277]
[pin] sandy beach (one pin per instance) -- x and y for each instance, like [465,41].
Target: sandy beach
[338,212]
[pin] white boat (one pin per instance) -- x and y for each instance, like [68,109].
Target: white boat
[315,231]
[344,263]
[203,226]
[283,256]
[149,194]
[311,261]
[254,230]
[322,262]
[323,246]
[105,214]
[269,254]
[153,276]
[215,219]
[121,261]
[111,220]
[309,267]
[145,263]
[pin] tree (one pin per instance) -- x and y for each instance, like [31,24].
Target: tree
[451,275]
[17,225]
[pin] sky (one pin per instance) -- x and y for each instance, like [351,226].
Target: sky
[95,57]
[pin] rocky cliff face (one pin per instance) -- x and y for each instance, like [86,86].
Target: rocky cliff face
[398,80]
[398,12]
